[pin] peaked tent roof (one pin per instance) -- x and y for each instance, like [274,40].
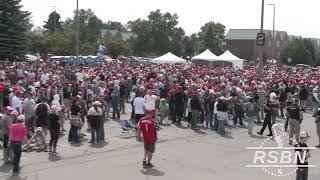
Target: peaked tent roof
[205,55]
[168,58]
[229,57]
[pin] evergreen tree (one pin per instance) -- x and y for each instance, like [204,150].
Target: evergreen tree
[14,24]
[53,24]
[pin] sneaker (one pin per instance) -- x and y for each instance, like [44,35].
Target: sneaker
[270,135]
[259,133]
[149,165]
[144,163]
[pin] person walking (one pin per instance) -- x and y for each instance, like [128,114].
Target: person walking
[54,124]
[222,114]
[195,108]
[94,118]
[115,100]
[302,148]
[6,122]
[75,122]
[317,121]
[138,105]
[147,128]
[179,101]
[251,109]
[303,96]
[295,115]
[261,102]
[18,133]
[267,119]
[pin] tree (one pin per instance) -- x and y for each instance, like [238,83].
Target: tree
[14,23]
[89,30]
[116,47]
[299,51]
[53,24]
[156,35]
[113,25]
[189,45]
[211,37]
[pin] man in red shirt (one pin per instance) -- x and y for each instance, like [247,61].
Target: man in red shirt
[146,127]
[18,133]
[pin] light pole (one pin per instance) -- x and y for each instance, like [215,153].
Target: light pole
[77,29]
[273,32]
[260,63]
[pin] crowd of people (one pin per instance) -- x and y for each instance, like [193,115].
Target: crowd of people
[38,99]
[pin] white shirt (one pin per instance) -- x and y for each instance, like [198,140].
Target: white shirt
[79,76]
[16,103]
[44,78]
[138,104]
[150,102]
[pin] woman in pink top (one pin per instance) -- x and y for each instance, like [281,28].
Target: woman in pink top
[18,133]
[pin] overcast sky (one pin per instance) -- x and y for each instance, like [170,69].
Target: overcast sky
[294,16]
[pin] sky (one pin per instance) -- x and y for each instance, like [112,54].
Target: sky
[300,18]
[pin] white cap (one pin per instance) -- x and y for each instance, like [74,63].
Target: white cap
[97,103]
[21,118]
[303,134]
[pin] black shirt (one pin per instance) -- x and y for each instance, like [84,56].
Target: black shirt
[293,111]
[53,122]
[301,145]
[75,109]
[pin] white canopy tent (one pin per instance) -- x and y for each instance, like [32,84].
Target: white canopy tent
[229,57]
[168,58]
[207,55]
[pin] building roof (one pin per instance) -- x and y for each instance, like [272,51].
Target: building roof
[249,34]
[125,35]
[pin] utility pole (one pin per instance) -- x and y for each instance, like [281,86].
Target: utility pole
[260,63]
[273,31]
[77,29]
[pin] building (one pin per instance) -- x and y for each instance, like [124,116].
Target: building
[242,42]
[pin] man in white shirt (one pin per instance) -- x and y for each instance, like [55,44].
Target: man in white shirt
[139,106]
[150,101]
[44,78]
[16,101]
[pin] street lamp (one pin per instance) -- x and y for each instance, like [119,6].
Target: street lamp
[273,32]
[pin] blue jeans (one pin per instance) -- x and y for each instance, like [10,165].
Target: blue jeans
[195,117]
[209,119]
[250,124]
[216,122]
[221,126]
[95,134]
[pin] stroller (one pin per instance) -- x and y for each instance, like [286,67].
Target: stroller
[127,127]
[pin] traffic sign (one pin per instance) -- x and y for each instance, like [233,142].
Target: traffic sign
[261,37]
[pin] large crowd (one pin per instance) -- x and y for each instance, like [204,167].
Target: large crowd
[38,99]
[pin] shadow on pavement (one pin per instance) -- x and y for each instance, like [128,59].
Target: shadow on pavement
[257,136]
[99,145]
[17,177]
[5,168]
[54,157]
[152,172]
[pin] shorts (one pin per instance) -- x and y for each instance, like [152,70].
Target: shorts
[138,117]
[150,147]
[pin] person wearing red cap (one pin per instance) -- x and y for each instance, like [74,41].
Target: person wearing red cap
[18,133]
